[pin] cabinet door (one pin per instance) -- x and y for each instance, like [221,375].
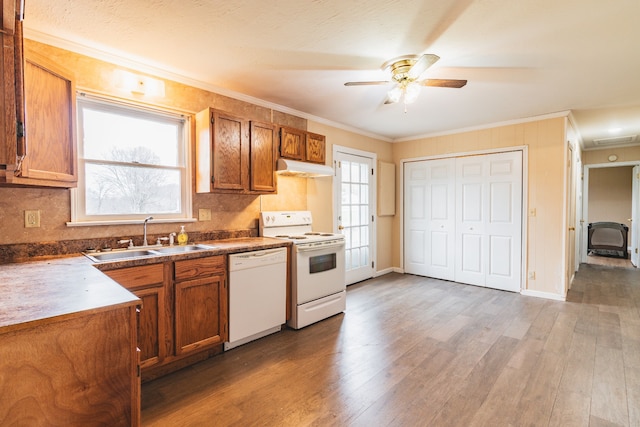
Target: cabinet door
[230,152]
[200,303]
[315,149]
[151,326]
[263,158]
[200,313]
[292,142]
[49,123]
[8,145]
[8,15]
[147,283]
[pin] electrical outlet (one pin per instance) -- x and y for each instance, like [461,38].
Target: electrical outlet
[204,214]
[532,275]
[532,212]
[31,219]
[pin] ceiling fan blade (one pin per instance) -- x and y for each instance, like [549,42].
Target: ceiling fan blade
[387,101]
[380,82]
[424,62]
[444,83]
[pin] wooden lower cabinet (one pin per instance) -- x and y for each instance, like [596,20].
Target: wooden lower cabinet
[147,283]
[183,313]
[200,303]
[78,371]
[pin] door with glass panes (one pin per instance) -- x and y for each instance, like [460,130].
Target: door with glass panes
[354,206]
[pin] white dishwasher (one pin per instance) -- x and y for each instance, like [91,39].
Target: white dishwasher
[257,295]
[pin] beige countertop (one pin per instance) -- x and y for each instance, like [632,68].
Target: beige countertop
[42,291]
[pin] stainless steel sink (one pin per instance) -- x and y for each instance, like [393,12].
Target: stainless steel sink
[181,249]
[138,253]
[112,256]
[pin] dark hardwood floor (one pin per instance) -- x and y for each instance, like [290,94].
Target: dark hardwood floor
[413,351]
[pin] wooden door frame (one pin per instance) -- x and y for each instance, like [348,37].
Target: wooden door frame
[525,198]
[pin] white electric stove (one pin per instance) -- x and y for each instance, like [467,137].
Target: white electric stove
[317,270]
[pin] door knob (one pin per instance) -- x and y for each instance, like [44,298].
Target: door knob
[572,229]
[340,227]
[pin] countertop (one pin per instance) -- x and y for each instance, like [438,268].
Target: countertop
[37,292]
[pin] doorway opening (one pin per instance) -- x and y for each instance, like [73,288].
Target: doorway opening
[611,194]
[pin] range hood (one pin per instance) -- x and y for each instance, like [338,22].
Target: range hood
[303,169]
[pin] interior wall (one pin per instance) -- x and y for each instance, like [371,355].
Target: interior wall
[228,212]
[610,194]
[320,190]
[545,140]
[623,154]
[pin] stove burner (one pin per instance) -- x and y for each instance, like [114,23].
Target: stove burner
[326,234]
[312,233]
[282,236]
[297,237]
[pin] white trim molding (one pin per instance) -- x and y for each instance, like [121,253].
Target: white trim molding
[545,295]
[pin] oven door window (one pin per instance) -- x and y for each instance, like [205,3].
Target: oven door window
[320,263]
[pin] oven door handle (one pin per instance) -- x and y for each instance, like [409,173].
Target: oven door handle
[301,248]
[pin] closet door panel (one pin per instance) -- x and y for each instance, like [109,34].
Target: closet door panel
[504,225]
[430,218]
[471,212]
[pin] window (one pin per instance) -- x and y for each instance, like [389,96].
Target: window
[132,162]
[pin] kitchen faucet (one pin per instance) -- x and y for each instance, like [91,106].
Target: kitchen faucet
[144,238]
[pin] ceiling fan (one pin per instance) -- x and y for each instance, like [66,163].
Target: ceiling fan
[405,73]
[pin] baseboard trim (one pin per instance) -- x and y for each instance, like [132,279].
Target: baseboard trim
[387,271]
[545,295]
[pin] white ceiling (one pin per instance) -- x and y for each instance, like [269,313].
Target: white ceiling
[522,58]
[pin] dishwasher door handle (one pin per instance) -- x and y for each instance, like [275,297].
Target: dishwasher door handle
[260,254]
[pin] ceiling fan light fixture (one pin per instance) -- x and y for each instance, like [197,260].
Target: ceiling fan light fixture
[411,92]
[395,94]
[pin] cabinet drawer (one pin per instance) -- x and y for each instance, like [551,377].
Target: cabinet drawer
[137,277]
[199,267]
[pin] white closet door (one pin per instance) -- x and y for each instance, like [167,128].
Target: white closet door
[471,214]
[430,218]
[504,221]
[463,219]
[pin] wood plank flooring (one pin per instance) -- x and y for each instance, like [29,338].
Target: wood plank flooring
[413,351]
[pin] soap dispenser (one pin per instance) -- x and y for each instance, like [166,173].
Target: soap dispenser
[183,237]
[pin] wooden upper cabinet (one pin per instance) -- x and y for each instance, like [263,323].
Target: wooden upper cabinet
[8,146]
[292,143]
[50,129]
[8,11]
[263,157]
[297,144]
[234,155]
[315,148]
[230,152]
[39,148]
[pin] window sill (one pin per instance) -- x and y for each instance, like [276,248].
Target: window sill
[128,221]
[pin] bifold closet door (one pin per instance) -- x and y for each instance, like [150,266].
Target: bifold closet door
[463,219]
[489,220]
[429,218]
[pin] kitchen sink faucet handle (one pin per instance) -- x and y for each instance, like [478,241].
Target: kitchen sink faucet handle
[129,241]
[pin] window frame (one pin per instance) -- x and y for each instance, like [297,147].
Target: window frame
[78,206]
